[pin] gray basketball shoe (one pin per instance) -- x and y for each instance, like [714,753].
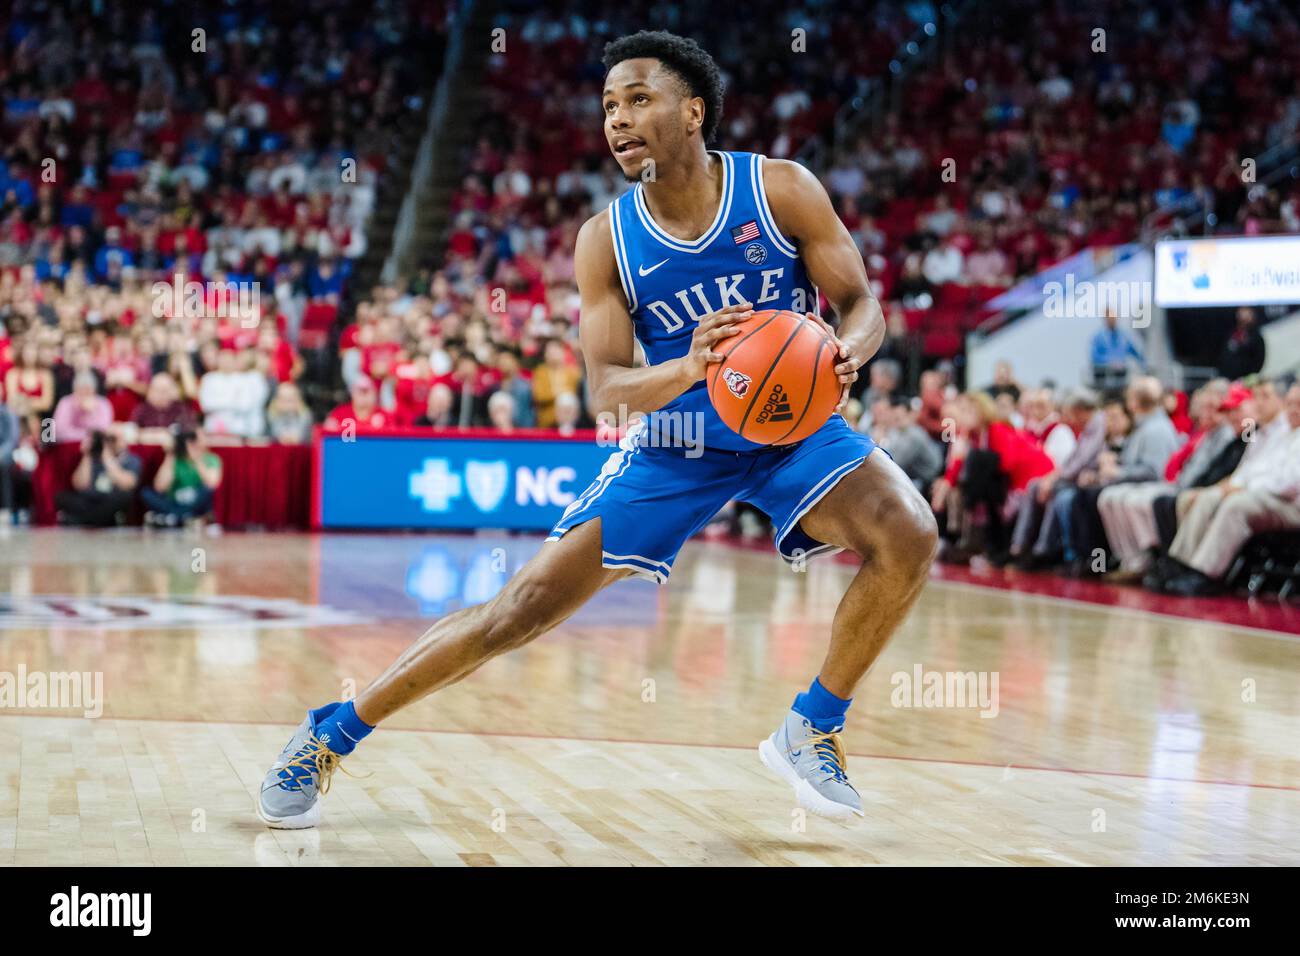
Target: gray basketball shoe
[813,763]
[291,791]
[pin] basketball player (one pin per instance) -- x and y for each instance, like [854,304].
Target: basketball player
[691,249]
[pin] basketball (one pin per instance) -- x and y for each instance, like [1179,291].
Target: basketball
[776,383]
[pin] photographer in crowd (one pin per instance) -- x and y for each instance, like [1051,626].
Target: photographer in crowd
[186,481]
[104,484]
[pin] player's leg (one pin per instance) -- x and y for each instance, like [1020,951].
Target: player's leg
[633,518]
[562,577]
[875,512]
[557,581]
[833,492]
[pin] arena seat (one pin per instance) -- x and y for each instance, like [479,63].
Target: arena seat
[1268,564]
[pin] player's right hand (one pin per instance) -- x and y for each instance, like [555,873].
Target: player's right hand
[714,328]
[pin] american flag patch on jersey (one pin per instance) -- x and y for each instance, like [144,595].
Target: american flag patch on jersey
[745,233]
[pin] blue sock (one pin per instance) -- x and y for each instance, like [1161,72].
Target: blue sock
[823,709]
[339,728]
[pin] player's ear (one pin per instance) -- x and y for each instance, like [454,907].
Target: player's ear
[694,114]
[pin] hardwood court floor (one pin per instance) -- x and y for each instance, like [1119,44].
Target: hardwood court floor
[627,736]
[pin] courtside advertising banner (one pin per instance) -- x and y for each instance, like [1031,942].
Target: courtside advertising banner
[457,480]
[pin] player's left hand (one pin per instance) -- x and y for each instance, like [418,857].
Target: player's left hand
[846,370]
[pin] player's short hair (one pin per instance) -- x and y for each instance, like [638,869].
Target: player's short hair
[696,69]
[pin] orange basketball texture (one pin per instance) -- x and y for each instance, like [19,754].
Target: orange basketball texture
[776,383]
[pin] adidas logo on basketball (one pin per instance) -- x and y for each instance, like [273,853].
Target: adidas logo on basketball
[776,408]
[738,382]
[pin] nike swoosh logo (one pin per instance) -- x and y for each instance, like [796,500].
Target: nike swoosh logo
[643,271]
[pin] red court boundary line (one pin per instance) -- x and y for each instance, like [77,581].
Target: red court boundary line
[679,743]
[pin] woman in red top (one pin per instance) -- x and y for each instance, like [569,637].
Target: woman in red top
[978,506]
[29,386]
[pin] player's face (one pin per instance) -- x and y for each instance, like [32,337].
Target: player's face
[646,115]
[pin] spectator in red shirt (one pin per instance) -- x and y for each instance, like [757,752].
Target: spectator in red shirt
[414,380]
[363,412]
[931,416]
[286,364]
[989,466]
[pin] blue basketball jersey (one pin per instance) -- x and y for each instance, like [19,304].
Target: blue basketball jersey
[671,284]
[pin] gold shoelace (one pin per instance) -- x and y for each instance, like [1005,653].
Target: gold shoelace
[324,760]
[820,742]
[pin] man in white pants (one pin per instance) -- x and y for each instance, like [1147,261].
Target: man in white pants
[1263,495]
[1128,510]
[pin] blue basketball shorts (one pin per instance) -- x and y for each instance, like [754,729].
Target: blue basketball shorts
[650,499]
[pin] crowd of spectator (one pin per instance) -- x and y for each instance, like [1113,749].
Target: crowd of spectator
[150,150]
[1149,486]
[1053,139]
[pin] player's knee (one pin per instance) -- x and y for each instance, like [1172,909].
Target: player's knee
[518,614]
[907,534]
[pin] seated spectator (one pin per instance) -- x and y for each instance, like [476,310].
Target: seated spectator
[1178,406]
[29,386]
[990,466]
[1128,510]
[568,410]
[75,360]
[1143,458]
[896,430]
[104,483]
[161,411]
[186,481]
[943,263]
[234,395]
[987,265]
[285,364]
[884,378]
[1034,537]
[1260,425]
[414,379]
[517,385]
[82,412]
[501,412]
[1224,517]
[363,412]
[125,373]
[288,420]
[1045,427]
[438,412]
[554,377]
[1265,423]
[469,384]
[930,415]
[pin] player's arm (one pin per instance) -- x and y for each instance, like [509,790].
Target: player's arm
[805,215]
[605,330]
